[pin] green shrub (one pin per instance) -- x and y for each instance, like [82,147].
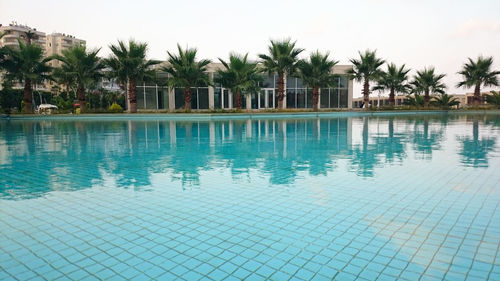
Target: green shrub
[77,111]
[115,108]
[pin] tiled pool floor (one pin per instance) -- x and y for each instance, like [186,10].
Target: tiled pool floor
[250,206]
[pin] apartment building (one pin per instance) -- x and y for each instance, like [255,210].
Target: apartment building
[14,32]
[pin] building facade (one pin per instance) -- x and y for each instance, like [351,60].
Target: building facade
[14,32]
[56,43]
[152,96]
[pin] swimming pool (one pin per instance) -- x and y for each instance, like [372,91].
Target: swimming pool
[347,198]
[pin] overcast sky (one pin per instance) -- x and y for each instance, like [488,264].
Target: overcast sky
[418,33]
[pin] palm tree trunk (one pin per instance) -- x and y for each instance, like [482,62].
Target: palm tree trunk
[27,97]
[132,95]
[187,98]
[392,101]
[426,99]
[281,87]
[81,99]
[238,100]
[477,95]
[315,98]
[366,93]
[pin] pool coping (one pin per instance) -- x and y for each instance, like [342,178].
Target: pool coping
[244,116]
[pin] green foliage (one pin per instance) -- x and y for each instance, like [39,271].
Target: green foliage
[393,80]
[78,111]
[185,71]
[130,63]
[428,82]
[80,66]
[477,73]
[239,75]
[316,72]
[367,67]
[116,108]
[444,101]
[415,100]
[493,98]
[282,58]
[9,98]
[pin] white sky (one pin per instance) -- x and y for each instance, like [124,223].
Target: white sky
[439,33]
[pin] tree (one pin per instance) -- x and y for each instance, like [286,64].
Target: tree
[428,82]
[239,75]
[416,100]
[83,67]
[365,70]
[476,74]
[493,98]
[27,65]
[282,60]
[317,73]
[445,100]
[186,72]
[129,65]
[393,80]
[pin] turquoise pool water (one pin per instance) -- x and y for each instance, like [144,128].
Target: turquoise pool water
[355,198]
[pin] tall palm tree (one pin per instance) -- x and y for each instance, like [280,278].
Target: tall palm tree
[186,72]
[394,80]
[317,73]
[239,75]
[476,74]
[282,60]
[27,65]
[365,70]
[428,82]
[83,67]
[129,65]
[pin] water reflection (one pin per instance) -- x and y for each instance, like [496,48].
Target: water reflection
[40,156]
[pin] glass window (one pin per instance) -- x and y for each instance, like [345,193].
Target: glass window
[163,97]
[309,97]
[194,98]
[203,98]
[179,98]
[343,98]
[334,98]
[290,82]
[291,99]
[217,97]
[254,100]
[226,98]
[299,83]
[140,97]
[343,81]
[267,81]
[151,97]
[301,98]
[325,98]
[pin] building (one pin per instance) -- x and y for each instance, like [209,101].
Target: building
[378,101]
[14,32]
[151,96]
[56,43]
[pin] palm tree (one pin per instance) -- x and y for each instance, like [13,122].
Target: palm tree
[129,65]
[394,80]
[428,82]
[239,75]
[416,100]
[477,73]
[445,100]
[184,71]
[83,67]
[493,98]
[282,60]
[366,69]
[27,65]
[316,73]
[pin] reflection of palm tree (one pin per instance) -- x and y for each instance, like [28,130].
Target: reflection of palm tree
[366,157]
[426,139]
[474,151]
[393,145]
